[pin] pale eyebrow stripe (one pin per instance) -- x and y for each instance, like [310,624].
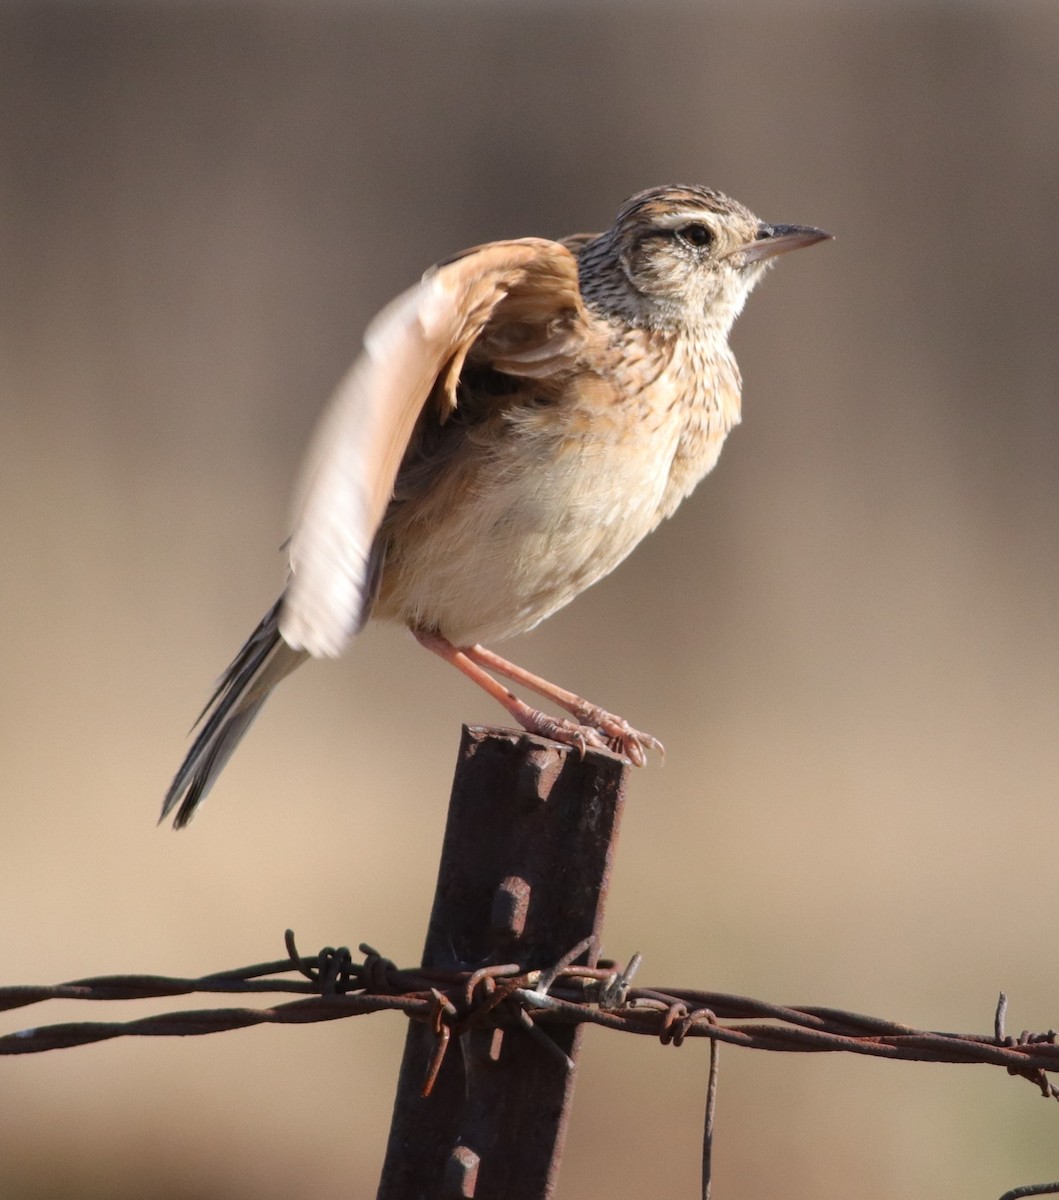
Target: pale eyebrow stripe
[673,220]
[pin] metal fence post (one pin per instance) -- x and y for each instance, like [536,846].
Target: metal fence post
[525,866]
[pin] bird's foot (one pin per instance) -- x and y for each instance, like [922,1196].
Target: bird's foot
[596,728]
[592,726]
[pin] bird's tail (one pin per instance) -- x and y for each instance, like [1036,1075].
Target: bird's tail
[243,689]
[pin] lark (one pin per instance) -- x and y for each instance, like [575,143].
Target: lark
[515,424]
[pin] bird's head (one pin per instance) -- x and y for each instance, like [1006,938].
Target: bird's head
[684,256]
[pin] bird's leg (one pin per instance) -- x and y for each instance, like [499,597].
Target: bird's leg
[593,726]
[559,729]
[618,732]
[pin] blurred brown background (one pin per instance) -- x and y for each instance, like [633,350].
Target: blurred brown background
[848,639]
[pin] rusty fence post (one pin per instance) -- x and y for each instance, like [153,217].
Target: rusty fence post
[525,866]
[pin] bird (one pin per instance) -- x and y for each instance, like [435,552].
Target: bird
[515,424]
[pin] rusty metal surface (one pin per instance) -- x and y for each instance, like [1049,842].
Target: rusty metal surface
[523,877]
[476,1007]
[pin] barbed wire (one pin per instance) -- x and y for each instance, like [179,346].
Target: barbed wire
[334,986]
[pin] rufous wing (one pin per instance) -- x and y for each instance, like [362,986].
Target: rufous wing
[515,303]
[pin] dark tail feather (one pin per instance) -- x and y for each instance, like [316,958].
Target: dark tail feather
[245,686]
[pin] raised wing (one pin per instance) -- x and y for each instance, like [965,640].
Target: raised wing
[520,301]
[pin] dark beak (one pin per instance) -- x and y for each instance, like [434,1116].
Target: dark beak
[780,239]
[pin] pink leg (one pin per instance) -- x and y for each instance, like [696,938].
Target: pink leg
[593,726]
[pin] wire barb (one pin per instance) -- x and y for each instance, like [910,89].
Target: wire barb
[614,990]
[332,970]
[1035,1075]
[547,978]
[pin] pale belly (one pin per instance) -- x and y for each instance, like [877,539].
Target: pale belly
[508,539]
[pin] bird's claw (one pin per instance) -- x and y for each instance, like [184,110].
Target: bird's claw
[601,731]
[619,734]
[632,744]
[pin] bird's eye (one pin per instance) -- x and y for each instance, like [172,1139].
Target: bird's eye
[696,234]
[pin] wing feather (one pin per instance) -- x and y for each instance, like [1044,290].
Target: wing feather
[521,297]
